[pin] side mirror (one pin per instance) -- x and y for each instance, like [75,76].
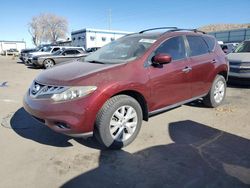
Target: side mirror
[161,59]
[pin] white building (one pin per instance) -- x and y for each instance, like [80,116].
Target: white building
[89,38]
[6,45]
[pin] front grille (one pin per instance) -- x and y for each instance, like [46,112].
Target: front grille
[38,90]
[239,70]
[234,63]
[240,67]
[239,64]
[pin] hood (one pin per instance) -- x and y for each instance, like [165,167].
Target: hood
[39,53]
[28,50]
[239,57]
[70,73]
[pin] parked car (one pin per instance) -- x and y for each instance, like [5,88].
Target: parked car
[12,51]
[93,49]
[127,81]
[46,50]
[25,52]
[239,61]
[63,55]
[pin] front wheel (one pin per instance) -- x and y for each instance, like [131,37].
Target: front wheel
[118,122]
[48,63]
[217,92]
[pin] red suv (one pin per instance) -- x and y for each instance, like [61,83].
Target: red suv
[127,81]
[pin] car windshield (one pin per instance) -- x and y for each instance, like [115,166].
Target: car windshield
[123,50]
[45,49]
[243,47]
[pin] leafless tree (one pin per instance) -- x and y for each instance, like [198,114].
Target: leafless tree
[36,29]
[48,28]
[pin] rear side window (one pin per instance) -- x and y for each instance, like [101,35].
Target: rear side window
[70,52]
[77,52]
[197,45]
[210,42]
[174,47]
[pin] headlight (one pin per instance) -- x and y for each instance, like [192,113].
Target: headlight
[73,93]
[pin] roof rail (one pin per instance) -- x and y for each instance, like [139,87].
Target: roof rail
[194,30]
[157,28]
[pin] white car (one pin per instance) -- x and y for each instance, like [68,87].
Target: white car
[47,50]
[239,61]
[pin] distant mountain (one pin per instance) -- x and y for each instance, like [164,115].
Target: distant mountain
[223,27]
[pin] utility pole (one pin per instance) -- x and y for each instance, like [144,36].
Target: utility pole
[109,19]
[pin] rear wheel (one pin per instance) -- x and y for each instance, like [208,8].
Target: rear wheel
[48,63]
[118,122]
[217,92]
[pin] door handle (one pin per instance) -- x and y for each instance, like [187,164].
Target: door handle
[186,69]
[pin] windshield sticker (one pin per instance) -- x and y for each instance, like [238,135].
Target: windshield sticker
[147,40]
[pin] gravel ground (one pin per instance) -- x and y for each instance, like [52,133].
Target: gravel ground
[190,146]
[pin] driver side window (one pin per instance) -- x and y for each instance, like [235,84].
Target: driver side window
[55,49]
[175,47]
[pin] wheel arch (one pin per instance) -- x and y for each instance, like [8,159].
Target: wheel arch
[224,74]
[139,98]
[48,59]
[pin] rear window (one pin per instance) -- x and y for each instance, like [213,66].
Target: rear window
[210,42]
[197,45]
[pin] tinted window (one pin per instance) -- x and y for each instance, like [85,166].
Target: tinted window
[77,52]
[197,45]
[174,47]
[210,42]
[70,52]
[55,49]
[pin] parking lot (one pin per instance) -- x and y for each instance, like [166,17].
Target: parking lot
[189,146]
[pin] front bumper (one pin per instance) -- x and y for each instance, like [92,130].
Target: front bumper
[36,62]
[239,69]
[68,117]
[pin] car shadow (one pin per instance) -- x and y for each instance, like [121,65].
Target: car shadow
[28,127]
[200,156]
[197,103]
[20,62]
[24,125]
[33,67]
[241,83]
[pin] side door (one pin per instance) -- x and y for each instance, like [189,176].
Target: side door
[170,83]
[202,63]
[68,55]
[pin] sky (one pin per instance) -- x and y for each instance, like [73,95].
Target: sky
[126,15]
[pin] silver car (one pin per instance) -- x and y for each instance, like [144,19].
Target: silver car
[64,55]
[239,61]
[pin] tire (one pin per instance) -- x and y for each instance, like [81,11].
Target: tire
[48,63]
[217,92]
[118,122]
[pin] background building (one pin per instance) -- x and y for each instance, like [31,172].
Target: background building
[89,38]
[232,36]
[6,45]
